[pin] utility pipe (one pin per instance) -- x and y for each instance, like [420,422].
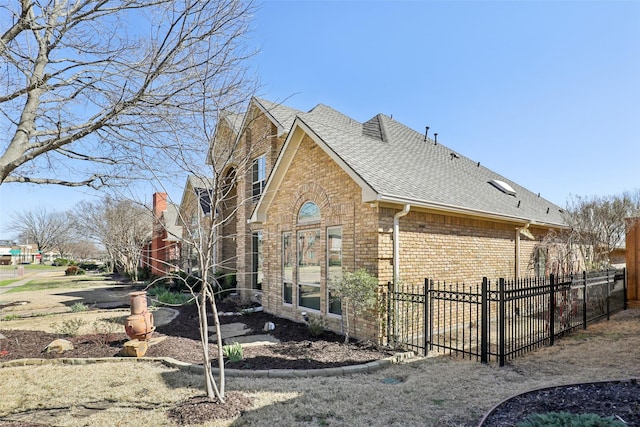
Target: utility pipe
[396,242]
[518,231]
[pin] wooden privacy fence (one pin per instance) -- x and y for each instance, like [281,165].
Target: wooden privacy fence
[502,319]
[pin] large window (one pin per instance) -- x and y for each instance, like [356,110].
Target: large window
[259,173]
[309,256]
[334,267]
[257,260]
[287,268]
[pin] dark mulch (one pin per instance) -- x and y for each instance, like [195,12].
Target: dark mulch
[298,349]
[617,399]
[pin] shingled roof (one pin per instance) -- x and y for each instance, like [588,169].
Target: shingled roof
[394,163]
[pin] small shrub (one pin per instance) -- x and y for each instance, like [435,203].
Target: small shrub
[105,330]
[88,266]
[79,307]
[69,327]
[233,352]
[74,270]
[316,326]
[165,296]
[561,419]
[11,317]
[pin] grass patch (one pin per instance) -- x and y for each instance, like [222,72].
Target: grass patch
[53,283]
[164,296]
[7,282]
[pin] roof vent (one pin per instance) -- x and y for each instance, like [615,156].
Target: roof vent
[503,186]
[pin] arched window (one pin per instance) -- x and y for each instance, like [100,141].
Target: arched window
[309,212]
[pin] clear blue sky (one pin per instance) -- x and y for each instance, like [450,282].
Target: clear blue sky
[546,93]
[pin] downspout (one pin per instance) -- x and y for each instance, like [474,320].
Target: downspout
[396,242]
[517,266]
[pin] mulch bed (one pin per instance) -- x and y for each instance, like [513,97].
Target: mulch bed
[615,399]
[298,348]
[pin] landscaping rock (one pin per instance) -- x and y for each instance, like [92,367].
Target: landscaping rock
[134,348]
[58,346]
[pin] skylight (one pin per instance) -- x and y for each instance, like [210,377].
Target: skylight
[503,186]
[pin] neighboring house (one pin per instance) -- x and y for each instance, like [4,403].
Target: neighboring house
[195,222]
[319,193]
[162,253]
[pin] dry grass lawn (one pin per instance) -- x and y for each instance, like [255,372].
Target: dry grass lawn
[435,391]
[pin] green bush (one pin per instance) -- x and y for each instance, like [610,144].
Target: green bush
[167,296]
[227,284]
[233,352]
[88,266]
[566,419]
[183,281]
[60,261]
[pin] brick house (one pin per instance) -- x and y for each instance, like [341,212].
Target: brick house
[162,254]
[321,193]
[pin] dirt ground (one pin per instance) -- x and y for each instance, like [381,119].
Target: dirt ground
[434,391]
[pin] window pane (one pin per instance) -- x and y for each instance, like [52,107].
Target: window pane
[309,296]
[258,261]
[309,212]
[308,261]
[335,304]
[287,258]
[259,175]
[309,269]
[287,292]
[287,268]
[334,266]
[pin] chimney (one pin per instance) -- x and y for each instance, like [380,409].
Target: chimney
[426,133]
[435,141]
[159,203]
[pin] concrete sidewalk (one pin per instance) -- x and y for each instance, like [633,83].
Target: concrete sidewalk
[29,277]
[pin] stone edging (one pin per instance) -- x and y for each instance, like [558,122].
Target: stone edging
[535,390]
[199,369]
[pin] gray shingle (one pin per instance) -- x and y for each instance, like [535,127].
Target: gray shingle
[398,163]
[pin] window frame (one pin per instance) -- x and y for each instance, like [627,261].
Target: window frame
[305,285]
[257,260]
[329,275]
[258,176]
[287,282]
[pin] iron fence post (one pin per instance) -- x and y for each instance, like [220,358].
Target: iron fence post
[584,300]
[484,314]
[502,323]
[552,309]
[425,314]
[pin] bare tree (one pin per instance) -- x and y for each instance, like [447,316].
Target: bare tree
[598,224]
[46,229]
[123,227]
[93,92]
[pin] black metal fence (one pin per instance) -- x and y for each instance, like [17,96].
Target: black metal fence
[503,319]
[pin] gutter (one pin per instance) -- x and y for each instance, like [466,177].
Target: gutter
[396,242]
[520,230]
[465,211]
